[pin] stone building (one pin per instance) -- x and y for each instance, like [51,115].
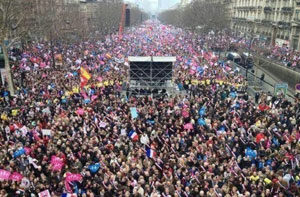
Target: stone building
[277,21]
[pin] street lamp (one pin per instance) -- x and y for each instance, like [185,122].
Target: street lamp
[249,53]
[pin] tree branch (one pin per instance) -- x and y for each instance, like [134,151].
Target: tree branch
[13,41]
[1,8]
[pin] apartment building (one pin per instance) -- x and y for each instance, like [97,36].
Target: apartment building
[277,21]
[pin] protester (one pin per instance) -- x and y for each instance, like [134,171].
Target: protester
[70,130]
[279,54]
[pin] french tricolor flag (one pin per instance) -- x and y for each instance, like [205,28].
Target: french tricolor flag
[150,153]
[133,135]
[68,195]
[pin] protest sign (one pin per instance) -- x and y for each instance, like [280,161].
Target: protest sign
[16,176]
[45,193]
[46,132]
[4,174]
[134,113]
[280,89]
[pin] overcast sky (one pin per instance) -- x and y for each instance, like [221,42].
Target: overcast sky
[152,5]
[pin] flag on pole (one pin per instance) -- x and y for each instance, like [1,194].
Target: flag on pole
[133,135]
[84,73]
[85,76]
[150,153]
[68,195]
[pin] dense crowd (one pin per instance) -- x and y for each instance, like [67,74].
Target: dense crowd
[60,137]
[229,41]
[283,55]
[279,54]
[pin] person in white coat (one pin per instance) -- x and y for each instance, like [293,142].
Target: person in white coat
[144,139]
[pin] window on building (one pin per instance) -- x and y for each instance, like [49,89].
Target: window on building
[297,30]
[295,44]
[297,15]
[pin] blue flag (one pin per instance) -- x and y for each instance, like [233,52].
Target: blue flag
[19,152]
[87,101]
[250,153]
[201,122]
[152,122]
[200,70]
[180,86]
[233,94]
[202,111]
[94,168]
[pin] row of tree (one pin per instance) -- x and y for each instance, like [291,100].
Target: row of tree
[58,21]
[199,14]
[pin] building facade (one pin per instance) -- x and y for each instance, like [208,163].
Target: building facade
[277,21]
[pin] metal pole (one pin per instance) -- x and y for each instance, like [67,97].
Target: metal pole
[249,53]
[51,33]
[151,81]
[52,49]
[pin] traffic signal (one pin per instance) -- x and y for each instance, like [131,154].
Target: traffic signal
[2,62]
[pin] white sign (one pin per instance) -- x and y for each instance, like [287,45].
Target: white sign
[46,132]
[45,193]
[3,75]
[281,42]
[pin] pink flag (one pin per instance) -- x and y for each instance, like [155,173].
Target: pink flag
[94,97]
[228,68]
[100,78]
[80,111]
[27,150]
[56,159]
[36,135]
[16,176]
[185,114]
[192,72]
[57,166]
[56,163]
[22,65]
[4,174]
[71,177]
[102,62]
[45,193]
[85,96]
[43,65]
[188,126]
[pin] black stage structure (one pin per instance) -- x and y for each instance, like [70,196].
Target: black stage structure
[151,75]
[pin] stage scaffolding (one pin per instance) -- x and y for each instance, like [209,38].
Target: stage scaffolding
[151,75]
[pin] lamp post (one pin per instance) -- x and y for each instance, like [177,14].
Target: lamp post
[249,53]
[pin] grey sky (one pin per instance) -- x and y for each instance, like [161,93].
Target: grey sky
[152,5]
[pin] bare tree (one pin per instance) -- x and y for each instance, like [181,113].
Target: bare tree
[198,14]
[172,17]
[137,16]
[12,28]
[56,20]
